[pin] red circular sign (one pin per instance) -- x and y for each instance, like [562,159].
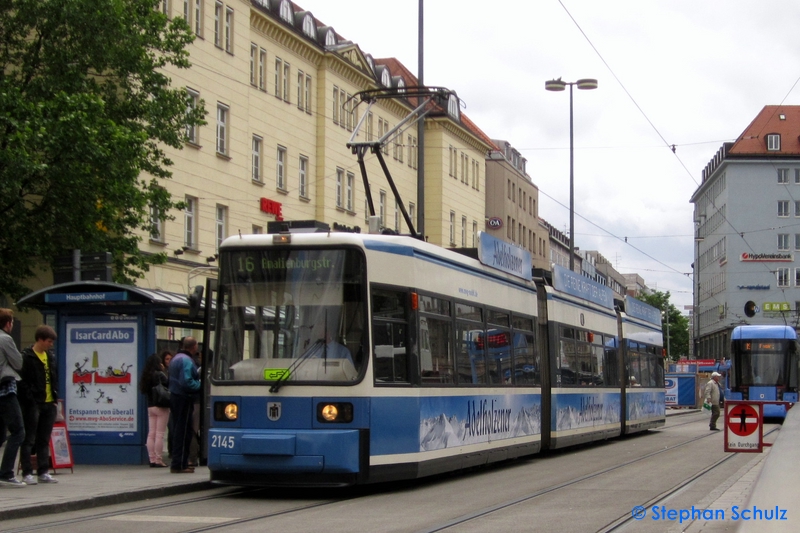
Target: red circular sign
[742,420]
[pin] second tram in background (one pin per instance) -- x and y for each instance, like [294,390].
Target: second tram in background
[344,358]
[764,366]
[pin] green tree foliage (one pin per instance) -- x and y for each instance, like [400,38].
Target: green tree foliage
[678,324]
[86,111]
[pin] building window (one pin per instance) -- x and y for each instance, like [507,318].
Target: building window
[797,208]
[300,90]
[280,169]
[258,230]
[773,142]
[218,24]
[222,129]
[369,126]
[783,208]
[303,177]
[198,17]
[351,178]
[262,69]
[286,82]
[783,242]
[335,114]
[257,143]
[157,222]
[165,7]
[187,12]
[474,233]
[278,73]
[797,176]
[307,99]
[221,225]
[339,188]
[797,241]
[191,105]
[190,223]
[463,232]
[253,64]
[382,212]
[229,30]
[412,212]
[783,175]
[783,277]
[396,216]
[452,228]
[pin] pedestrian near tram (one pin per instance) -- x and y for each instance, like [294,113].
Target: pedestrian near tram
[714,396]
[38,397]
[10,412]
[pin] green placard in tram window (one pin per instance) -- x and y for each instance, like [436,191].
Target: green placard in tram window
[274,374]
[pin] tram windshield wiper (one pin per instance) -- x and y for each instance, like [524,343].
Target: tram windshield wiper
[314,350]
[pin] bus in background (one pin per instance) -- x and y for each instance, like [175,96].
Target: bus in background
[764,366]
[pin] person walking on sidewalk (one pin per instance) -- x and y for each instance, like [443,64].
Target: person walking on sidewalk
[10,412]
[157,411]
[184,386]
[713,395]
[38,397]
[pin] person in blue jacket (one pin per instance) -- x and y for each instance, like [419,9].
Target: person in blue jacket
[184,387]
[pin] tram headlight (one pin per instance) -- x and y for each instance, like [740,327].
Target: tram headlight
[335,412]
[226,411]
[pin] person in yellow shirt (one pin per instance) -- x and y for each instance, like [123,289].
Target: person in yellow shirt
[38,396]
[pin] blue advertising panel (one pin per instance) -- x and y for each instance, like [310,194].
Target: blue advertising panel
[447,422]
[584,410]
[680,390]
[503,256]
[638,309]
[568,281]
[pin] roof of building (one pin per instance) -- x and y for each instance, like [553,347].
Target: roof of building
[783,120]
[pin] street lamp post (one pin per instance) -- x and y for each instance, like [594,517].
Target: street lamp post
[559,85]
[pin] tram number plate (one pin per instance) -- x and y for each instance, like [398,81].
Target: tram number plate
[223,441]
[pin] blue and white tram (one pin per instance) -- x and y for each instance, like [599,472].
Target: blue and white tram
[591,395]
[345,358]
[764,366]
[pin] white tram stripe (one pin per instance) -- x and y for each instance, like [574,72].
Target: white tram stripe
[171,519]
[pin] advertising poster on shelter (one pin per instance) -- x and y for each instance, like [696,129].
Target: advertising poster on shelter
[101,366]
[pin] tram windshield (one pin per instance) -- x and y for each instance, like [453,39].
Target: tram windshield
[762,362]
[291,315]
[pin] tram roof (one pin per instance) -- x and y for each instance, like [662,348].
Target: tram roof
[763,332]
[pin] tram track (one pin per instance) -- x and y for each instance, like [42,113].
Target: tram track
[487,511]
[625,520]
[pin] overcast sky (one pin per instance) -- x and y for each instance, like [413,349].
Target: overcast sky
[678,72]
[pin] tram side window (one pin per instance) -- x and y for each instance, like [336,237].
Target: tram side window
[499,347]
[658,369]
[584,362]
[389,335]
[565,372]
[436,342]
[634,369]
[610,368]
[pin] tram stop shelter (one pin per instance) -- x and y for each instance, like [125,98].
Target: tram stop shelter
[106,331]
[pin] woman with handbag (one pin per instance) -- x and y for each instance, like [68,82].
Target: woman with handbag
[154,385]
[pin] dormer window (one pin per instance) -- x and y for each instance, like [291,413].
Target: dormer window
[401,86]
[308,26]
[330,38]
[286,11]
[773,142]
[452,107]
[386,79]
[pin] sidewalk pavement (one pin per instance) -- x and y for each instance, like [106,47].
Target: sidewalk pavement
[96,485]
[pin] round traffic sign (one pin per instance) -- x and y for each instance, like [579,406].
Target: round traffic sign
[742,420]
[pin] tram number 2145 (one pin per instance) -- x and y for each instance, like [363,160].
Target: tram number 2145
[223,441]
